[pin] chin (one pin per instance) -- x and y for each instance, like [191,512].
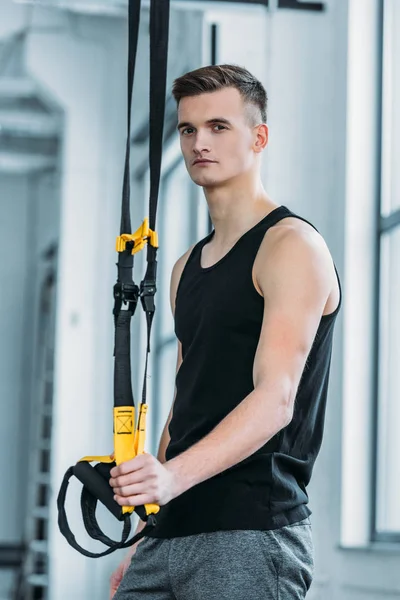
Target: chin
[206,182]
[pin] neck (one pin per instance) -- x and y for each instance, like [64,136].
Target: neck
[236,208]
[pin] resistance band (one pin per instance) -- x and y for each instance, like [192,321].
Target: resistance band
[128,440]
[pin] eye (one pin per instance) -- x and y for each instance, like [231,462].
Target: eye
[222,126]
[186,129]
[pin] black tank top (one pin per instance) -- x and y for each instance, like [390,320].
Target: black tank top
[218,320]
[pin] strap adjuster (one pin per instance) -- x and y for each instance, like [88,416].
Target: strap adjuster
[147,292]
[125,293]
[140,238]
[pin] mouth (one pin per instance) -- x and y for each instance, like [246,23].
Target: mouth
[203,162]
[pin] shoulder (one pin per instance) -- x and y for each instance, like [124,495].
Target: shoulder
[176,275]
[293,248]
[292,233]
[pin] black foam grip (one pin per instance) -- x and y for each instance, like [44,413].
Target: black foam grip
[98,485]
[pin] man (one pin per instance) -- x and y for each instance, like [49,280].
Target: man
[255,304]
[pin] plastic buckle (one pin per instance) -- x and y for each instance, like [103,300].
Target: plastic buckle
[137,240]
[124,293]
[147,292]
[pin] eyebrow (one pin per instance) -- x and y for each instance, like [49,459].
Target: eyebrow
[209,122]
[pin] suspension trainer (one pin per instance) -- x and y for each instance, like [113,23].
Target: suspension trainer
[129,439]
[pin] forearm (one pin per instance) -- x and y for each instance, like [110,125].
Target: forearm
[241,433]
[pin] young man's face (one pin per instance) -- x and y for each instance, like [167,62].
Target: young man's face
[217,127]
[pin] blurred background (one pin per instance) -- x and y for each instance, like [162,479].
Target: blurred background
[332,73]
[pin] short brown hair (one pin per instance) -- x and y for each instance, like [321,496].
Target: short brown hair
[217,77]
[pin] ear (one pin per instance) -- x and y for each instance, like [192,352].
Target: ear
[261,137]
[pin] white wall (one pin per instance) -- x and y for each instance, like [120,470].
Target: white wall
[14,250]
[28,224]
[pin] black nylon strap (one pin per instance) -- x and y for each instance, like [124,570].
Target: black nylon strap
[133,32]
[88,507]
[159,34]
[64,526]
[125,259]
[159,29]
[125,291]
[92,527]
[123,394]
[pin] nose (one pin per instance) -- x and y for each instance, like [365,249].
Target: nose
[201,143]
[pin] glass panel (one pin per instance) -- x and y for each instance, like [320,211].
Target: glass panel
[391,114]
[388,480]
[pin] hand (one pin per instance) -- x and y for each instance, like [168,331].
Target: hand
[143,480]
[117,576]
[119,573]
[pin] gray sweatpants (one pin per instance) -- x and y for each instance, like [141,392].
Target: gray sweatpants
[224,565]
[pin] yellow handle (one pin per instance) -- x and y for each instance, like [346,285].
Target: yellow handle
[127,444]
[101,459]
[124,433]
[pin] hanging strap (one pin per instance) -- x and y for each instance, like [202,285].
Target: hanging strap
[125,290]
[88,504]
[95,480]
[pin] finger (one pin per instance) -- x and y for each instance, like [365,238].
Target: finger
[123,468]
[132,465]
[131,478]
[129,490]
[138,500]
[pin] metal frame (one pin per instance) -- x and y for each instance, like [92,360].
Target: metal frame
[295,4]
[11,555]
[291,4]
[118,8]
[384,225]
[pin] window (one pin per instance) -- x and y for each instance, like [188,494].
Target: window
[386,518]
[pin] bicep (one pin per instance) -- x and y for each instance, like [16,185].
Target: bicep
[296,284]
[286,338]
